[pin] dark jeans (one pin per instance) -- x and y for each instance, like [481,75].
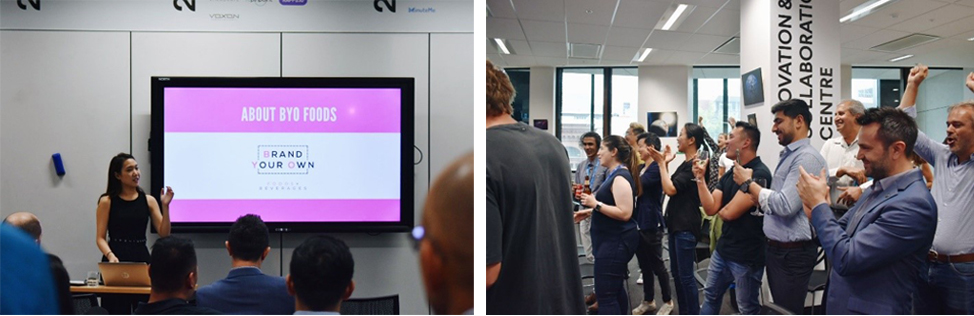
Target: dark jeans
[945,288]
[682,248]
[650,257]
[788,273]
[610,273]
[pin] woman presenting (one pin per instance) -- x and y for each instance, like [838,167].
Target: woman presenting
[124,210]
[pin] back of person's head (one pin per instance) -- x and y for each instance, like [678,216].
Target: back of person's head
[696,133]
[637,128]
[650,138]
[249,239]
[62,284]
[752,133]
[500,92]
[794,108]
[446,247]
[626,155]
[594,135]
[26,222]
[894,126]
[173,265]
[855,107]
[321,273]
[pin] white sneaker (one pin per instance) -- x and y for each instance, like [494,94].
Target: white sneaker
[644,307]
[640,280]
[665,309]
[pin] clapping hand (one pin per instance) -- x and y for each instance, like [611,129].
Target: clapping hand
[849,195]
[813,190]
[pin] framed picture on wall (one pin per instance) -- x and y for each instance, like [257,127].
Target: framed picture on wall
[541,124]
[663,124]
[753,87]
[753,120]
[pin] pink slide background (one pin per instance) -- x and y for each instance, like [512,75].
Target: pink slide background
[218,110]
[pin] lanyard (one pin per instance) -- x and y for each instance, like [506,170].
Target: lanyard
[609,177]
[591,176]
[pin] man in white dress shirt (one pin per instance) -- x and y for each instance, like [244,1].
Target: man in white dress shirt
[840,151]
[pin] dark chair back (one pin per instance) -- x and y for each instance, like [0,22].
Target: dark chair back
[385,305]
[83,303]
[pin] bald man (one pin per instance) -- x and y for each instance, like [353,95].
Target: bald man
[26,222]
[446,240]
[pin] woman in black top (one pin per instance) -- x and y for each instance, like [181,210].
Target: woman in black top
[614,235]
[124,210]
[683,215]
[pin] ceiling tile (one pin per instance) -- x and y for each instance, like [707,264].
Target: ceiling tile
[657,57]
[544,31]
[620,36]
[969,3]
[898,12]
[639,13]
[587,33]
[619,53]
[541,10]
[519,61]
[582,62]
[669,40]
[935,18]
[577,11]
[719,59]
[703,43]
[846,6]
[520,48]
[496,60]
[696,19]
[504,28]
[879,37]
[684,58]
[851,32]
[501,8]
[952,28]
[549,49]
[724,23]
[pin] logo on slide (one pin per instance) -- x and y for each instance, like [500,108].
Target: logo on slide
[283,159]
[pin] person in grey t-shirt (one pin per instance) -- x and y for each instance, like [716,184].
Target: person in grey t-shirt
[532,260]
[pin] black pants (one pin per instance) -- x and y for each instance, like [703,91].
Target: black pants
[788,273]
[650,256]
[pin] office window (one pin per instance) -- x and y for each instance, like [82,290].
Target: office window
[521,80]
[716,97]
[600,99]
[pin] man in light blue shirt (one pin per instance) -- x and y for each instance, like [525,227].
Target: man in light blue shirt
[947,287]
[791,254]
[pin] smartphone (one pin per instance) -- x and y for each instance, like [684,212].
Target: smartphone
[738,155]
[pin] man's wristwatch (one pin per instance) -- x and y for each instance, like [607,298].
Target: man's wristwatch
[746,186]
[598,207]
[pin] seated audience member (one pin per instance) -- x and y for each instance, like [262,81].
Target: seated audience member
[62,284]
[246,290]
[172,270]
[878,248]
[321,276]
[446,242]
[25,279]
[26,222]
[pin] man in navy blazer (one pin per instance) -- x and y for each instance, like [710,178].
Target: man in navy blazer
[247,290]
[878,248]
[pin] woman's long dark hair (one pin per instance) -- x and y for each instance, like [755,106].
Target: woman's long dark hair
[627,156]
[114,184]
[702,137]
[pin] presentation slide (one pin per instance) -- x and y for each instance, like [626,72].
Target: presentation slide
[286,154]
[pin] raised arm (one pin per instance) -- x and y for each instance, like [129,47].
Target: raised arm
[160,218]
[663,159]
[709,201]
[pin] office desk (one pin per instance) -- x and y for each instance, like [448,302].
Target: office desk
[101,289]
